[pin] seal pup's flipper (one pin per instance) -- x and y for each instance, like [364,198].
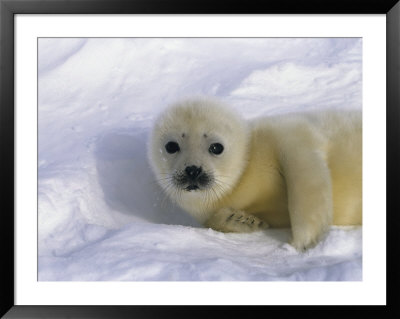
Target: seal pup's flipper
[229,220]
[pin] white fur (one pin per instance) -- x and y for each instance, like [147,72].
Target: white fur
[298,170]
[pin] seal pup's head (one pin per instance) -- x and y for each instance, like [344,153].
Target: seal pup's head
[198,150]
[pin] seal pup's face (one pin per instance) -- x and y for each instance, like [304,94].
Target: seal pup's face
[198,150]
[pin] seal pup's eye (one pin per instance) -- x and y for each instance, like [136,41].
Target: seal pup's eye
[216,148]
[172,147]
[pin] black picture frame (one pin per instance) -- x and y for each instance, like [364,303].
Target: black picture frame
[8,8]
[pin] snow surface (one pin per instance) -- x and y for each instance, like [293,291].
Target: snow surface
[102,216]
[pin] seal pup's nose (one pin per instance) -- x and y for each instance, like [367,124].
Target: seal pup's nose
[193,171]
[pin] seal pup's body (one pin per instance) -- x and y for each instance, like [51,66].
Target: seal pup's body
[299,170]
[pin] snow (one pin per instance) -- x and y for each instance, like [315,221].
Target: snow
[102,217]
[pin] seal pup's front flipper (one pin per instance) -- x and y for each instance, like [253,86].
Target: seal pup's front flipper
[229,220]
[310,201]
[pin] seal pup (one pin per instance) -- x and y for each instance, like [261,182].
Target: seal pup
[300,170]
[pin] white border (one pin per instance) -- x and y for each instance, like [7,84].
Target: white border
[372,290]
